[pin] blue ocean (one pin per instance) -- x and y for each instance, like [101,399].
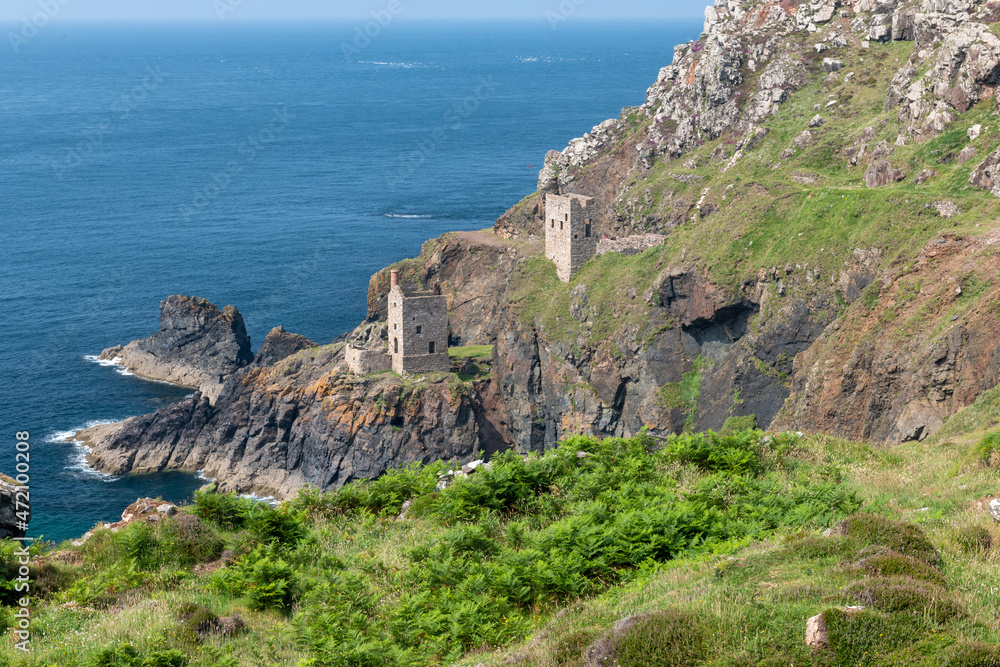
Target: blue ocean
[259,165]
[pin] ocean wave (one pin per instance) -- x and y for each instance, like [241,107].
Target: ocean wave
[77,462]
[270,500]
[408,216]
[205,478]
[116,363]
[391,64]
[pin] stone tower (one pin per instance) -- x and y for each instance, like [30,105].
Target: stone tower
[418,330]
[569,232]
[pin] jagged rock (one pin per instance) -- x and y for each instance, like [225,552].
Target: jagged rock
[995,509]
[578,303]
[838,42]
[923,177]
[816,121]
[832,65]
[803,139]
[197,346]
[946,209]
[10,523]
[881,172]
[902,26]
[974,132]
[967,154]
[820,48]
[987,175]
[555,173]
[279,345]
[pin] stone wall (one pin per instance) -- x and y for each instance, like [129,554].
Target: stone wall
[570,238]
[362,361]
[416,322]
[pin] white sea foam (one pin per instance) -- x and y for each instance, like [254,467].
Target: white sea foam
[205,478]
[270,500]
[78,459]
[407,216]
[116,363]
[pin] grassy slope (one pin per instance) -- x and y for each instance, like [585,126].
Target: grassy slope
[376,587]
[762,217]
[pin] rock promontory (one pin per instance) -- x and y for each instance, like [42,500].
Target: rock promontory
[10,524]
[198,346]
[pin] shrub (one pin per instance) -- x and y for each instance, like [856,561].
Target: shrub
[739,453]
[904,538]
[904,594]
[897,565]
[975,654]
[226,510]
[986,450]
[189,540]
[864,638]
[264,580]
[736,424]
[669,638]
[126,655]
[974,540]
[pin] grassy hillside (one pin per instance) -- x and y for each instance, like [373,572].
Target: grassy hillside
[714,543]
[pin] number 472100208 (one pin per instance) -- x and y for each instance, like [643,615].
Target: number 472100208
[22,496]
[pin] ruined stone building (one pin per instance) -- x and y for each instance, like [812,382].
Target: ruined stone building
[418,330]
[570,241]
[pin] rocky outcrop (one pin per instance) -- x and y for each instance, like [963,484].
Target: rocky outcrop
[279,345]
[305,421]
[197,346]
[11,525]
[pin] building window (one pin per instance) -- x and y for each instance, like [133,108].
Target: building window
[553,223]
[587,230]
[420,329]
[395,345]
[430,348]
[560,224]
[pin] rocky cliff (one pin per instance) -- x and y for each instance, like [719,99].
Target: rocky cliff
[824,178]
[197,346]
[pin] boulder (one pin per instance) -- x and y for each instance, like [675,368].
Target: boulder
[817,636]
[967,154]
[987,175]
[816,121]
[881,172]
[995,509]
[832,65]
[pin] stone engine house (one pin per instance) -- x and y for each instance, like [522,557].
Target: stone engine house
[570,241]
[418,330]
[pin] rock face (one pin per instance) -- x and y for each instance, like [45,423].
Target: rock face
[304,421]
[861,383]
[197,346]
[881,172]
[278,345]
[9,521]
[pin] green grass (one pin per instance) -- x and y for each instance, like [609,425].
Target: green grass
[712,542]
[471,352]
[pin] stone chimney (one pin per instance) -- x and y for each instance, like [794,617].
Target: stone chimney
[393,278]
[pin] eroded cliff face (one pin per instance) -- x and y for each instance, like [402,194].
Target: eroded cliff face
[900,363]
[303,421]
